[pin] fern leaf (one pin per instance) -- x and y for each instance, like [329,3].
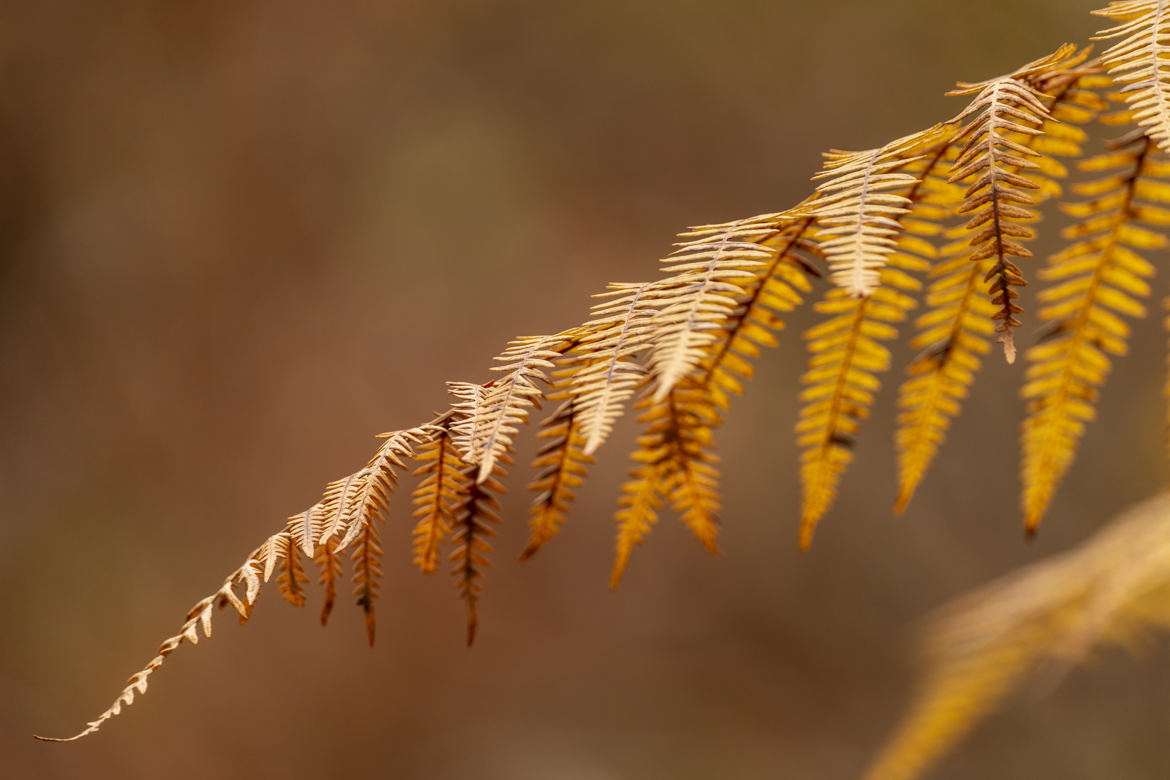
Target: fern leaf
[490,414]
[640,501]
[562,464]
[859,211]
[674,461]
[710,271]
[377,480]
[474,515]
[338,504]
[951,334]
[692,465]
[845,351]
[442,474]
[621,328]
[995,163]
[845,356]
[328,559]
[292,578]
[1111,589]
[305,528]
[367,572]
[673,455]
[1099,276]
[1072,94]
[1140,62]
[779,288]
[951,337]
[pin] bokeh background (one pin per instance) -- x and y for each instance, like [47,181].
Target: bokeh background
[237,239]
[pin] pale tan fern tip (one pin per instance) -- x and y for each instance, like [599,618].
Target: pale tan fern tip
[1111,589]
[369,488]
[1140,62]
[198,617]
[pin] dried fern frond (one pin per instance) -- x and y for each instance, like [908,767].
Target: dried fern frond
[339,503]
[609,373]
[490,414]
[777,289]
[1140,62]
[674,461]
[292,579]
[562,465]
[692,467]
[1110,590]
[434,498]
[475,514]
[858,213]
[1073,95]
[845,355]
[639,503]
[674,455]
[1099,276]
[951,338]
[377,480]
[328,560]
[367,573]
[951,334]
[709,271]
[994,163]
[371,504]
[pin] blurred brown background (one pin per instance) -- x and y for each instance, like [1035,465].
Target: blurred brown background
[237,239]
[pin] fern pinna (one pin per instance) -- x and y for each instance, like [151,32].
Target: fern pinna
[943,215]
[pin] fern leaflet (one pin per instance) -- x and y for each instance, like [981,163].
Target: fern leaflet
[434,497]
[961,314]
[858,213]
[711,271]
[1096,278]
[476,511]
[994,163]
[562,465]
[1140,63]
